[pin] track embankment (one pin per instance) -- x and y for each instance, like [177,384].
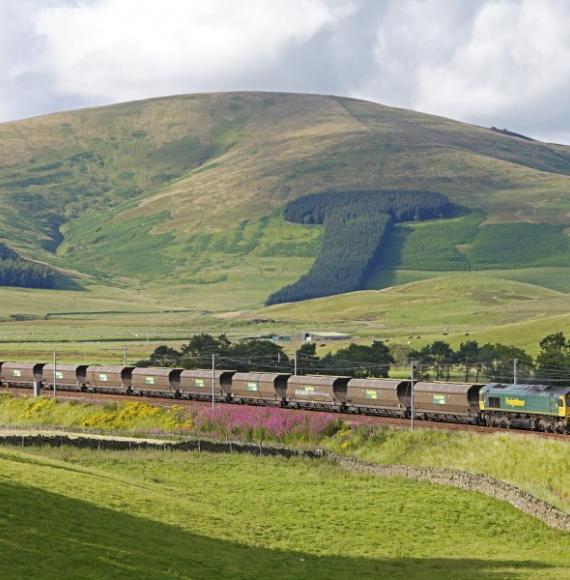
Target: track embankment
[352,419]
[496,489]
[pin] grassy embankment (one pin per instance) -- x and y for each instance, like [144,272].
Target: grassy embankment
[70,513]
[539,466]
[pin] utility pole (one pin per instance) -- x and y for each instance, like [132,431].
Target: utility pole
[413,406]
[515,371]
[295,364]
[213,380]
[54,370]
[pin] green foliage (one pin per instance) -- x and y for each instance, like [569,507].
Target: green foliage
[359,360]
[553,360]
[347,254]
[14,271]
[26,274]
[498,359]
[6,253]
[243,355]
[437,355]
[492,361]
[401,205]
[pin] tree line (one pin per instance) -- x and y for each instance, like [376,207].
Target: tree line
[266,356]
[495,362]
[437,361]
[356,225]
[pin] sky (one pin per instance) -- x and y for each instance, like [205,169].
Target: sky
[503,63]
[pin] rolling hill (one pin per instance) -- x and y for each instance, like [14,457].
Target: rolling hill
[182,198]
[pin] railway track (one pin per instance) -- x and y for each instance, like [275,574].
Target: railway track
[349,418]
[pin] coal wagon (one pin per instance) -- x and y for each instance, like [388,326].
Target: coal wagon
[197,384]
[260,388]
[155,381]
[317,391]
[447,401]
[109,379]
[67,377]
[378,396]
[14,374]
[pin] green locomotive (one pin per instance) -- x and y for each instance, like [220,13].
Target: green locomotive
[540,407]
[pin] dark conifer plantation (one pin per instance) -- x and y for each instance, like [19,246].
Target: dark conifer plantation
[14,271]
[356,225]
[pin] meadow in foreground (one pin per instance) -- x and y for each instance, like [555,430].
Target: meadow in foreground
[73,513]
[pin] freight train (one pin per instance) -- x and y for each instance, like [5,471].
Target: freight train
[536,407]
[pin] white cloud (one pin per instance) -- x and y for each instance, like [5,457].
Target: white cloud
[123,49]
[493,62]
[490,62]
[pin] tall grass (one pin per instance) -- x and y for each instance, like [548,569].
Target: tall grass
[540,466]
[244,423]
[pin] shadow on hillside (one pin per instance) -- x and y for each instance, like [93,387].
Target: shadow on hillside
[45,535]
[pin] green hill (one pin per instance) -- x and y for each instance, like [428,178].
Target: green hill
[191,190]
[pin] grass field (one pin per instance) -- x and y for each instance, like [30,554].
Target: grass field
[455,307]
[174,515]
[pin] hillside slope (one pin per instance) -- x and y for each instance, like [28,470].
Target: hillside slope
[192,187]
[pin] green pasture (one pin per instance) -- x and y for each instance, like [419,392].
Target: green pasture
[454,307]
[537,465]
[70,513]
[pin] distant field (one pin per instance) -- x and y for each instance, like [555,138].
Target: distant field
[164,515]
[455,307]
